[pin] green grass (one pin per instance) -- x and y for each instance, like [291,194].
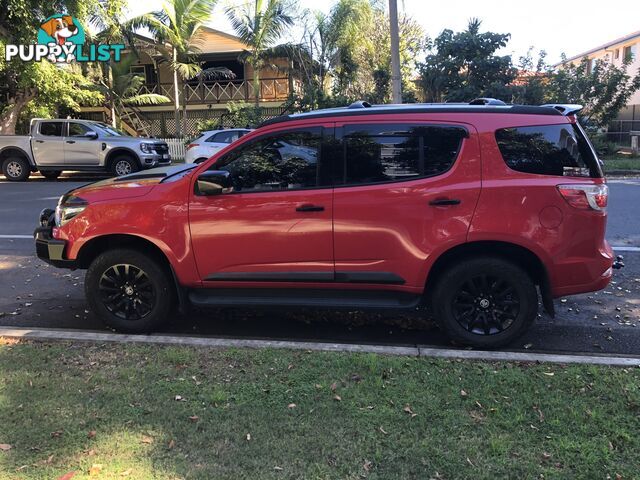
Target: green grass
[66,407]
[619,162]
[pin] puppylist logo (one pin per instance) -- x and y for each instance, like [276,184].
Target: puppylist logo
[61,39]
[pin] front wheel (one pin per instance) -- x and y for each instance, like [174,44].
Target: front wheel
[16,169]
[124,165]
[485,302]
[129,291]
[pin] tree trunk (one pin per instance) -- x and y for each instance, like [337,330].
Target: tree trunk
[176,93]
[256,84]
[112,103]
[9,119]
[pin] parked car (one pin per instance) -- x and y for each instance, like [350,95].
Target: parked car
[77,145]
[210,142]
[475,211]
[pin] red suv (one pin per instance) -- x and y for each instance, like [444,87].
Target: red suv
[476,211]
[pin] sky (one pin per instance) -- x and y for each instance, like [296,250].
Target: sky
[556,26]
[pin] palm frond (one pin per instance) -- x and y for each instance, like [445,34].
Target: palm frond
[146,99]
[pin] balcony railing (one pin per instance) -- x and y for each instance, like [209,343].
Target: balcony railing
[271,89]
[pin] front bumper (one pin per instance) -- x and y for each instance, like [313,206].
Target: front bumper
[152,160]
[50,249]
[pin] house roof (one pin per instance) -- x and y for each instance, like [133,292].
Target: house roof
[604,46]
[216,41]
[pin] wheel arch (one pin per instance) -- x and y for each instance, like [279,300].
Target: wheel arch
[12,150]
[519,255]
[112,154]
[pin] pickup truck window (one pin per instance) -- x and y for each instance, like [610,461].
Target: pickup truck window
[78,129]
[51,129]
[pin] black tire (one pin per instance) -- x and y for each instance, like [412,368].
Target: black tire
[124,165]
[123,299]
[16,169]
[485,302]
[51,174]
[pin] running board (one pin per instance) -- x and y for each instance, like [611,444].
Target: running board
[313,298]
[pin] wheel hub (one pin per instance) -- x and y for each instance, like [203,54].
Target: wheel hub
[127,292]
[14,169]
[484,303]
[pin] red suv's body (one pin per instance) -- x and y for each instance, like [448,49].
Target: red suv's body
[401,196]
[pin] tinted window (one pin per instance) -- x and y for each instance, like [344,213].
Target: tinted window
[384,153]
[51,129]
[560,150]
[285,161]
[78,129]
[225,137]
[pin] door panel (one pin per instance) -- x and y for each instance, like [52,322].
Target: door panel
[79,150]
[48,143]
[276,225]
[387,231]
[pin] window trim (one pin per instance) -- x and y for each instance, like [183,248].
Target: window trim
[340,136]
[321,148]
[68,132]
[63,130]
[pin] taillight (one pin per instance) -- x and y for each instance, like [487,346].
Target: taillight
[585,197]
[191,145]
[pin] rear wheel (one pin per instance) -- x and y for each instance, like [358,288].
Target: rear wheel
[124,165]
[485,302]
[129,291]
[51,174]
[16,169]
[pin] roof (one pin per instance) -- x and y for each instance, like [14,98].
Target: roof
[415,108]
[605,46]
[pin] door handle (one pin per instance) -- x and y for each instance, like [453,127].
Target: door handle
[310,208]
[39,141]
[443,202]
[71,141]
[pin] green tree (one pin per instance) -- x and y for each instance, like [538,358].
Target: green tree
[176,30]
[38,86]
[260,25]
[602,88]
[530,87]
[462,66]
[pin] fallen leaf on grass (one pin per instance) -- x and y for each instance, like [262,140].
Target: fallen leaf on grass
[56,434]
[366,466]
[67,476]
[95,469]
[292,405]
[333,387]
[248,437]
[172,444]
[383,431]
[548,374]
[337,398]
[407,409]
[194,418]
[278,469]
[127,472]
[147,439]
[463,393]
[91,434]
[5,447]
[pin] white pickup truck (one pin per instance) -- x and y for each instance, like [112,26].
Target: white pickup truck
[77,145]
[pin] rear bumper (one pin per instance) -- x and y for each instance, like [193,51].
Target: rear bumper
[50,249]
[587,274]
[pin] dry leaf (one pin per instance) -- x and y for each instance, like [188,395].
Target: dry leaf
[279,469]
[292,405]
[407,409]
[5,447]
[127,472]
[172,444]
[548,374]
[91,434]
[194,418]
[67,476]
[337,398]
[334,385]
[463,393]
[248,437]
[95,469]
[366,465]
[382,430]
[146,439]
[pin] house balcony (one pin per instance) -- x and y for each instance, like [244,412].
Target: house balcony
[224,91]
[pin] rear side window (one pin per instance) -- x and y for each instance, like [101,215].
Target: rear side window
[51,129]
[559,150]
[378,153]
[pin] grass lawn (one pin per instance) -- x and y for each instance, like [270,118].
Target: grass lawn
[621,162]
[143,412]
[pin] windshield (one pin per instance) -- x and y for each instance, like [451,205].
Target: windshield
[110,131]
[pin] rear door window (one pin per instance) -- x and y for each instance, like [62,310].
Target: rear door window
[51,129]
[558,150]
[379,153]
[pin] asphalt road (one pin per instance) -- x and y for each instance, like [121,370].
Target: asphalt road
[34,294]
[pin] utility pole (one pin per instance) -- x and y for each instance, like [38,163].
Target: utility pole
[396,79]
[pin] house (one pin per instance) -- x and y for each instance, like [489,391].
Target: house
[616,52]
[203,98]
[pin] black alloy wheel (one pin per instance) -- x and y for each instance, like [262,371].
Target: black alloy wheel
[127,292]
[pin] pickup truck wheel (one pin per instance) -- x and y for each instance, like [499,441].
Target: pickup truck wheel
[485,302]
[123,165]
[16,169]
[129,291]
[51,174]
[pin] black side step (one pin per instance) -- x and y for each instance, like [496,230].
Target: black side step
[313,298]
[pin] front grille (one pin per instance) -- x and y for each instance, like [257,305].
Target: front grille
[161,148]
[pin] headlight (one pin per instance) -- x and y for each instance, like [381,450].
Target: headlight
[68,208]
[146,147]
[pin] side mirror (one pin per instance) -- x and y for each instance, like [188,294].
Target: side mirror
[91,135]
[214,182]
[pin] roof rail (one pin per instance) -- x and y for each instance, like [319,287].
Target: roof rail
[360,104]
[565,108]
[486,101]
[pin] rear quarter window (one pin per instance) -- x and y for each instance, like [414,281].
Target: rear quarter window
[558,150]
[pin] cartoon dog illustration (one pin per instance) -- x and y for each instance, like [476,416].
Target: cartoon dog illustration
[60,29]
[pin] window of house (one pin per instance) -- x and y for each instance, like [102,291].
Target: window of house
[139,70]
[616,53]
[78,129]
[51,129]
[283,161]
[630,53]
[560,150]
[378,153]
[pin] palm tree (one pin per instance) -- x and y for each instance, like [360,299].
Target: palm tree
[259,25]
[176,30]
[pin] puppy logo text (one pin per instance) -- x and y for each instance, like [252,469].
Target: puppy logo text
[61,39]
